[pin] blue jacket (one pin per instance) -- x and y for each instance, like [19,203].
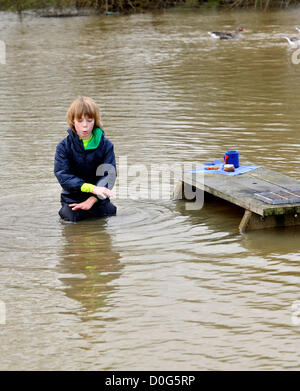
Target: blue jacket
[74,166]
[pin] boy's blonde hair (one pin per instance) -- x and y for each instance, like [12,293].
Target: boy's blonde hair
[83,106]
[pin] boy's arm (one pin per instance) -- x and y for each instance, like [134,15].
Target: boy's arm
[88,188]
[63,173]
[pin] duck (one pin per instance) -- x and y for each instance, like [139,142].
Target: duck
[294,41]
[227,34]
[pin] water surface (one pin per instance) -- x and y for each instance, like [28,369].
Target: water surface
[157,286]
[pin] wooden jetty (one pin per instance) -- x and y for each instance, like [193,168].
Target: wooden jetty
[248,191]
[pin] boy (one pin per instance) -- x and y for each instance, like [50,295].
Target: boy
[85,165]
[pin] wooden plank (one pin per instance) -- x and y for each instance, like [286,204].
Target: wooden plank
[178,191]
[231,188]
[245,221]
[276,178]
[240,189]
[256,222]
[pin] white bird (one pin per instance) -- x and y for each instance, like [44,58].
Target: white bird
[294,41]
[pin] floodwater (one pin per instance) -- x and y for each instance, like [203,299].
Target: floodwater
[158,286]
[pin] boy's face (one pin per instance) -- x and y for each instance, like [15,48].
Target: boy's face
[84,127]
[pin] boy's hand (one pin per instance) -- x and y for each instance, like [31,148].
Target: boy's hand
[85,205]
[103,192]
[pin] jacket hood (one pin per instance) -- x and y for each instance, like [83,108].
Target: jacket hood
[75,140]
[78,142]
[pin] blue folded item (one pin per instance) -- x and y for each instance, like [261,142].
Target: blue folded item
[218,163]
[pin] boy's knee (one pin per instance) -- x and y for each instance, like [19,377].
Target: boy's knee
[66,213]
[103,209]
[108,209]
[111,209]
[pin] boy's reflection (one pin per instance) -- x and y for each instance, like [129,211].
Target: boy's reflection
[90,263]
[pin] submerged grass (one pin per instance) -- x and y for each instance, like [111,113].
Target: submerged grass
[129,6]
[98,5]
[258,4]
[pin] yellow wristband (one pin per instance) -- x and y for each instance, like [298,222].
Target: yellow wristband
[87,188]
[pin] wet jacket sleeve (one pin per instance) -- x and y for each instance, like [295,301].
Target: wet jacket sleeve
[107,171]
[63,172]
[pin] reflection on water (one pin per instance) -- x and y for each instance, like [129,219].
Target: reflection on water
[265,243]
[89,267]
[157,286]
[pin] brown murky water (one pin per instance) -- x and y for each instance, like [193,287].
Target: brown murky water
[157,286]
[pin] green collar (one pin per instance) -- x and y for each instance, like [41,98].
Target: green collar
[94,141]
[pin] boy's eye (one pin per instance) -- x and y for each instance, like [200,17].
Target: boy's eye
[88,120]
